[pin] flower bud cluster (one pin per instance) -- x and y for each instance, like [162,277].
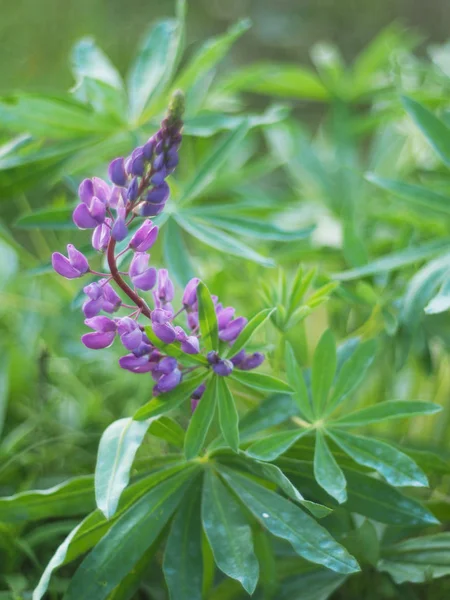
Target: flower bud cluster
[139,188]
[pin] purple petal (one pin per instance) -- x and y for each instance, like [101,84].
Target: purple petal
[82,217]
[159,176]
[223,368]
[101,189]
[91,308]
[148,149]
[119,230]
[252,362]
[233,329]
[133,190]
[101,236]
[135,364]
[159,194]
[224,316]
[191,345]
[77,259]
[190,292]
[169,382]
[102,324]
[97,210]
[146,209]
[86,191]
[63,267]
[144,238]
[98,340]
[165,332]
[116,171]
[167,365]
[238,358]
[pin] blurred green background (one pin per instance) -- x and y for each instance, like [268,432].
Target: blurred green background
[36,37]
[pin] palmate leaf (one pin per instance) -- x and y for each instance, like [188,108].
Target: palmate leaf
[201,421]
[94,527]
[327,472]
[228,533]
[397,468]
[384,411]
[183,560]
[127,540]
[297,382]
[257,229]
[441,302]
[286,520]
[118,446]
[274,410]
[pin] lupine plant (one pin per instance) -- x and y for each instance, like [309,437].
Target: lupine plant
[293,447]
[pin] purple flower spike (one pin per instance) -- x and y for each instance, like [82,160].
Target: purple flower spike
[142,276]
[74,266]
[223,367]
[168,382]
[101,235]
[159,194]
[190,293]
[117,173]
[103,335]
[232,330]
[144,238]
[136,364]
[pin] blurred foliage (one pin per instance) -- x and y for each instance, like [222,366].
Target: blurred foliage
[338,163]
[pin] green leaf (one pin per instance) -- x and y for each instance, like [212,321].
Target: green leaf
[397,468]
[286,520]
[88,60]
[417,560]
[384,411]
[4,389]
[276,475]
[183,561]
[323,371]
[228,415]
[200,421]
[129,586]
[317,584]
[127,540]
[327,472]
[249,330]
[228,533]
[260,381]
[55,117]
[47,218]
[207,318]
[72,497]
[221,241]
[297,382]
[176,254]
[414,195]
[441,302]
[352,373]
[170,400]
[118,446]
[434,129]
[272,446]
[169,430]
[154,65]
[205,173]
[94,527]
[276,80]
[396,260]
[258,229]
[212,52]
[274,410]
